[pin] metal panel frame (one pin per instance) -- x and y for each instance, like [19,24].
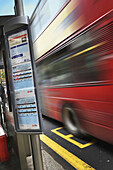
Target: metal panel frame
[15,25]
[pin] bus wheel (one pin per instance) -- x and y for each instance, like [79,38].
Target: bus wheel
[70,120]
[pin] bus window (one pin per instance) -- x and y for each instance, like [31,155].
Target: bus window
[39,21]
[60,71]
[85,58]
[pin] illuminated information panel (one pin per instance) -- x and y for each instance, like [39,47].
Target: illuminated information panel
[23,81]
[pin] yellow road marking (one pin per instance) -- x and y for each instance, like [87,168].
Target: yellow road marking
[68,138]
[68,156]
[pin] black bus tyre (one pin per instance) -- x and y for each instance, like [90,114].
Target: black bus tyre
[70,121]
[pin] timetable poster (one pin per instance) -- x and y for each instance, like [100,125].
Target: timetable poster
[23,81]
[27,109]
[19,47]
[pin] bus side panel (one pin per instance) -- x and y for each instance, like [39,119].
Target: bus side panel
[91,110]
[74,17]
[94,9]
[101,132]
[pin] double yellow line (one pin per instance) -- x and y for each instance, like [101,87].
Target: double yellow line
[68,156]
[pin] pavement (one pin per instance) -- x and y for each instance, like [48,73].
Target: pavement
[11,164]
[14,164]
[48,162]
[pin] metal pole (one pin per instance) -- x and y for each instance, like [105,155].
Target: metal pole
[19,9]
[36,152]
[35,141]
[22,152]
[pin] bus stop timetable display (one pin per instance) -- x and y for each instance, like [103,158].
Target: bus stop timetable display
[27,111]
[19,47]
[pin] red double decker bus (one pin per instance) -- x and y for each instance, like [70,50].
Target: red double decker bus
[74,59]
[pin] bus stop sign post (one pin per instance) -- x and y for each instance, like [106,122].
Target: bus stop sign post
[23,85]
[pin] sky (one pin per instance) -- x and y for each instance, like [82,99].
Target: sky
[7,7]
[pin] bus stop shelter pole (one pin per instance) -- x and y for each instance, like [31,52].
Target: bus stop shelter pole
[19,9]
[35,141]
[36,152]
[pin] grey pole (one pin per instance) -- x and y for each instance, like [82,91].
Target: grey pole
[35,140]
[36,152]
[19,9]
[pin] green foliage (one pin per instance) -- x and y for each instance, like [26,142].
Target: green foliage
[3,74]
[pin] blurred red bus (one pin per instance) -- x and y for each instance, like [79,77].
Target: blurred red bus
[75,67]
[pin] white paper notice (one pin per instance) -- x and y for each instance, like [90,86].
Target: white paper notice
[19,47]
